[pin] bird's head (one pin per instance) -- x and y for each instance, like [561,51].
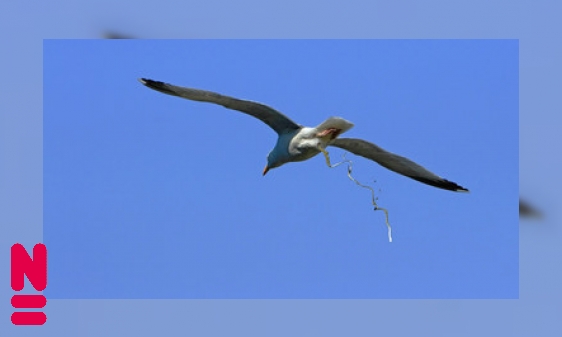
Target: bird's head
[280,154]
[274,159]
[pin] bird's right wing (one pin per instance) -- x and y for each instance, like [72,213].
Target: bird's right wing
[276,120]
[395,162]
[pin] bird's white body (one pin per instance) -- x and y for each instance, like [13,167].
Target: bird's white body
[304,144]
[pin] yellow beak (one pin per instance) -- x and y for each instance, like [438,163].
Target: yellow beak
[266,168]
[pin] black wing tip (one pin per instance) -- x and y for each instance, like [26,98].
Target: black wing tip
[442,183]
[149,82]
[157,85]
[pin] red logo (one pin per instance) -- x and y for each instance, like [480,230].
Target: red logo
[36,270]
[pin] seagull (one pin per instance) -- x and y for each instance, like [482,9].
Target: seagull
[296,142]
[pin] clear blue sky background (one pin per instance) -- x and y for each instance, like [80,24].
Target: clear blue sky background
[535,23]
[143,190]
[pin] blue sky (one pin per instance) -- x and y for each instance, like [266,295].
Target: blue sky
[143,189]
[535,23]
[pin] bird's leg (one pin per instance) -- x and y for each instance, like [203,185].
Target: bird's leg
[349,169]
[326,155]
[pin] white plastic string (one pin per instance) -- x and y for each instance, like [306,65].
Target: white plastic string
[373,198]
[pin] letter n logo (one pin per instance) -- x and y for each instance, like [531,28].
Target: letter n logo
[36,271]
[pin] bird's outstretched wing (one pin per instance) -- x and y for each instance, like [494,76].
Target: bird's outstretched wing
[276,120]
[395,162]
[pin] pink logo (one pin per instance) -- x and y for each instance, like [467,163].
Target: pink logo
[36,270]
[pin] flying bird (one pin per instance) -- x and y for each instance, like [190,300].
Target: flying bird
[297,143]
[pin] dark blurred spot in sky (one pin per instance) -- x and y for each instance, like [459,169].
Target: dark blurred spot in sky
[115,35]
[528,211]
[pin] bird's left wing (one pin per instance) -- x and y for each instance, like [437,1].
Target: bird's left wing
[395,163]
[276,120]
